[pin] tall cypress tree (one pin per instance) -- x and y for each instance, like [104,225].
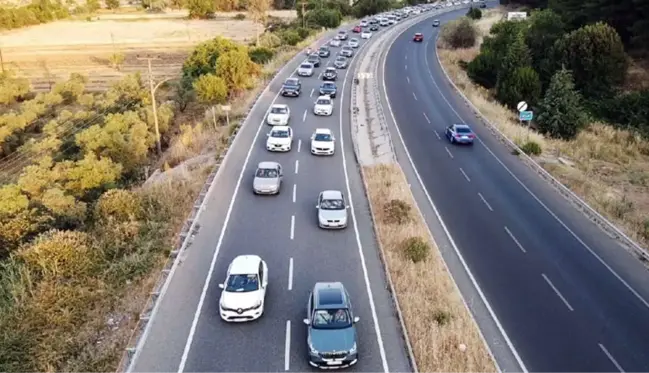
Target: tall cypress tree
[561,112]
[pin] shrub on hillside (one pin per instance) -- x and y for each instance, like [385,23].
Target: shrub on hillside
[12,88]
[545,28]
[210,89]
[269,40]
[460,33]
[33,14]
[202,59]
[260,55]
[240,17]
[200,9]
[561,112]
[112,4]
[483,69]
[531,148]
[628,110]
[521,84]
[289,37]
[474,13]
[328,18]
[397,211]
[415,249]
[118,206]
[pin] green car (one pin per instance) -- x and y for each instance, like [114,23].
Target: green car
[331,334]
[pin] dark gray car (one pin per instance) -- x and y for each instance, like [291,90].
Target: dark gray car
[314,59]
[331,329]
[346,51]
[340,62]
[324,52]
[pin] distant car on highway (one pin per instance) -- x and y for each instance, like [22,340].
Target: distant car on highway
[278,115]
[459,134]
[342,35]
[331,330]
[363,23]
[268,178]
[334,42]
[436,23]
[357,29]
[332,210]
[330,73]
[323,142]
[305,69]
[280,139]
[346,51]
[419,37]
[244,289]
[384,23]
[324,52]
[374,28]
[324,105]
[483,4]
[366,35]
[329,89]
[353,42]
[292,87]
[314,59]
[340,62]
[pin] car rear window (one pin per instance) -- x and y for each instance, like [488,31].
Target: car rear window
[462,130]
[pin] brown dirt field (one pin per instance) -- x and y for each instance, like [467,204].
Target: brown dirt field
[606,167]
[437,320]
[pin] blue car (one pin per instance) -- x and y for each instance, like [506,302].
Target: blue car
[459,134]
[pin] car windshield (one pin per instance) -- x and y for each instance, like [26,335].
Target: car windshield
[332,319]
[346,48]
[291,82]
[305,66]
[279,110]
[332,204]
[242,283]
[266,173]
[341,59]
[279,133]
[462,130]
[322,137]
[331,70]
[328,86]
[354,40]
[323,101]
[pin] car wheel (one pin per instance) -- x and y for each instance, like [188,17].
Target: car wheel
[452,140]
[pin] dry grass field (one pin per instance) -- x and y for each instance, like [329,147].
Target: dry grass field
[443,334]
[607,167]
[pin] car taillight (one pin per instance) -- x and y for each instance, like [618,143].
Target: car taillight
[471,135]
[458,135]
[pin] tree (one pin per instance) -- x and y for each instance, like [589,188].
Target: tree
[483,69]
[546,27]
[237,70]
[561,111]
[596,57]
[112,4]
[211,89]
[474,13]
[118,206]
[260,55]
[509,73]
[460,33]
[258,9]
[92,5]
[522,84]
[328,18]
[200,8]
[364,8]
[183,93]
[202,59]
[88,175]
[12,88]
[68,211]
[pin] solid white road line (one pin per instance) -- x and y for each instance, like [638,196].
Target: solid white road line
[557,292]
[299,145]
[511,235]
[297,166]
[483,298]
[304,116]
[312,90]
[428,120]
[292,226]
[611,358]
[290,274]
[294,192]
[287,346]
[408,79]
[465,175]
[449,152]
[437,134]
[485,201]
[572,233]
[414,95]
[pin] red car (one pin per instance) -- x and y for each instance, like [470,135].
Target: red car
[418,37]
[357,29]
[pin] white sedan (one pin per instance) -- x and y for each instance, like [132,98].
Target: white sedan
[244,289]
[334,42]
[323,142]
[353,42]
[280,139]
[366,35]
[324,105]
[279,115]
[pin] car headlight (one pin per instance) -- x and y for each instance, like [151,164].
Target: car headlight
[312,349]
[257,305]
[353,349]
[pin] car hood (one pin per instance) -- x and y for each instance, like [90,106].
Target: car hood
[332,214]
[240,300]
[279,140]
[323,107]
[305,69]
[340,63]
[277,117]
[327,90]
[290,87]
[261,183]
[330,340]
[322,144]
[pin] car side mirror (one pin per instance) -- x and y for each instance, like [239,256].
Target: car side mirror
[268,135]
[222,286]
[317,206]
[347,206]
[306,322]
[357,319]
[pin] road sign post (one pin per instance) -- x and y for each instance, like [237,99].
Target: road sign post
[526,116]
[226,109]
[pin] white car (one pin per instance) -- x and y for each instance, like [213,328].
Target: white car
[244,289]
[278,115]
[323,142]
[305,69]
[366,35]
[280,139]
[324,105]
[353,42]
[334,43]
[332,210]
[363,23]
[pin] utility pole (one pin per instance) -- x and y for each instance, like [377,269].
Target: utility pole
[153,88]
[303,4]
[2,62]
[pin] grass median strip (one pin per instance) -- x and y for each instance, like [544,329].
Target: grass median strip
[443,334]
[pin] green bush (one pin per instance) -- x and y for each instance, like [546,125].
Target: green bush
[118,206]
[561,111]
[240,17]
[33,14]
[289,37]
[460,33]
[397,211]
[483,69]
[415,249]
[474,13]
[303,32]
[522,84]
[628,110]
[531,148]
[260,55]
[328,18]
[269,40]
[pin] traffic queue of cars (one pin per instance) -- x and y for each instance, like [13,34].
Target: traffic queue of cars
[330,319]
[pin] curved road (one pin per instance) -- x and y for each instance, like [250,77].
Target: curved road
[187,334]
[568,296]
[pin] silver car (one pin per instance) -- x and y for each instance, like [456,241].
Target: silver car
[346,51]
[305,69]
[332,210]
[268,178]
[353,42]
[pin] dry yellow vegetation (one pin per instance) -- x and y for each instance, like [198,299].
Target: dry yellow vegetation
[606,167]
[437,320]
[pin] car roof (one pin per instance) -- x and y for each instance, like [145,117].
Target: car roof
[279,106]
[244,265]
[418,33]
[292,80]
[331,68]
[267,164]
[324,131]
[462,126]
[332,194]
[324,97]
[306,63]
[330,295]
[280,128]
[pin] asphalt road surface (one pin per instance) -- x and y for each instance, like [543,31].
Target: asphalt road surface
[569,297]
[188,334]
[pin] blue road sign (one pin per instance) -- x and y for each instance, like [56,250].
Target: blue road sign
[526,115]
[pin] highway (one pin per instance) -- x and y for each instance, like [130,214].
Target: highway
[187,334]
[568,296]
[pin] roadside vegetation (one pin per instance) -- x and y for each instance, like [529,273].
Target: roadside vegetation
[583,73]
[443,334]
[89,210]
